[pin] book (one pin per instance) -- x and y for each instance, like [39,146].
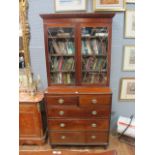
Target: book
[89,50]
[60,63]
[70,47]
[89,64]
[62,47]
[94,46]
[56,47]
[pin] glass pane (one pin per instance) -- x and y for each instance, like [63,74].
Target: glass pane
[94,55]
[61,55]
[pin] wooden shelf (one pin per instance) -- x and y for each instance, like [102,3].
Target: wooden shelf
[63,55]
[94,37]
[57,37]
[94,55]
[64,71]
[94,71]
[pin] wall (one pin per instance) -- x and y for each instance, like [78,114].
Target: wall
[37,53]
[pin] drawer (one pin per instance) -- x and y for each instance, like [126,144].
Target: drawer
[62,100]
[78,124]
[87,100]
[77,112]
[96,137]
[67,137]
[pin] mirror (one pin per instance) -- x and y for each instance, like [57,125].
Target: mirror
[24,35]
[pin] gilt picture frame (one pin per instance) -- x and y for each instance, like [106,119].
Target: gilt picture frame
[70,5]
[130,1]
[129,58]
[127,89]
[130,24]
[109,5]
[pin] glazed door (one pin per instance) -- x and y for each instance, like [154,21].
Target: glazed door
[61,54]
[95,62]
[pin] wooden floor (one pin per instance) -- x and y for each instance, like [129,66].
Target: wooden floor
[115,144]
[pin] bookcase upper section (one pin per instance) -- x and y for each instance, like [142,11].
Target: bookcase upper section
[78,49]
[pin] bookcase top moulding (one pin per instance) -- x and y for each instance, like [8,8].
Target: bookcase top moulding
[77,15]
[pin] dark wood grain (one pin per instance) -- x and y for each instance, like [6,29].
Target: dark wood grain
[76,112]
[78,124]
[94,100]
[32,130]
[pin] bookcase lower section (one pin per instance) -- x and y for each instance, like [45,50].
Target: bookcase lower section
[81,118]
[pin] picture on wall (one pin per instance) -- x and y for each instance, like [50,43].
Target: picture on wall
[130,1]
[70,5]
[109,5]
[130,24]
[127,89]
[129,58]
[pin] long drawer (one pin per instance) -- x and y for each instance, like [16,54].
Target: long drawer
[77,112]
[78,137]
[78,124]
[94,100]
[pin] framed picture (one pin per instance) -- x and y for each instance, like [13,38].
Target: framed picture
[130,1]
[109,5]
[127,89]
[70,5]
[129,58]
[130,24]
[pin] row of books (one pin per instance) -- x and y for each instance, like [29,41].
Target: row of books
[93,78]
[93,46]
[88,31]
[96,64]
[63,78]
[62,64]
[62,47]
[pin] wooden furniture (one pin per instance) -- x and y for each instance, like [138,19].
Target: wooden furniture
[32,121]
[78,97]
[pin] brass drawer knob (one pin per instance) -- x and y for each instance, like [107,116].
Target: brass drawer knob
[62,125]
[94,101]
[61,113]
[94,125]
[93,137]
[94,112]
[63,137]
[61,101]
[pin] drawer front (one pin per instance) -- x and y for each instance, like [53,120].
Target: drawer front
[95,100]
[67,137]
[61,100]
[76,112]
[96,137]
[78,124]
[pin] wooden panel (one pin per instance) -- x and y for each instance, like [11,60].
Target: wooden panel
[66,137]
[77,112]
[96,137]
[77,90]
[61,100]
[29,120]
[78,124]
[89,100]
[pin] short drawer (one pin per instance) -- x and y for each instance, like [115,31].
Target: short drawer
[66,137]
[77,112]
[87,100]
[61,100]
[78,124]
[96,137]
